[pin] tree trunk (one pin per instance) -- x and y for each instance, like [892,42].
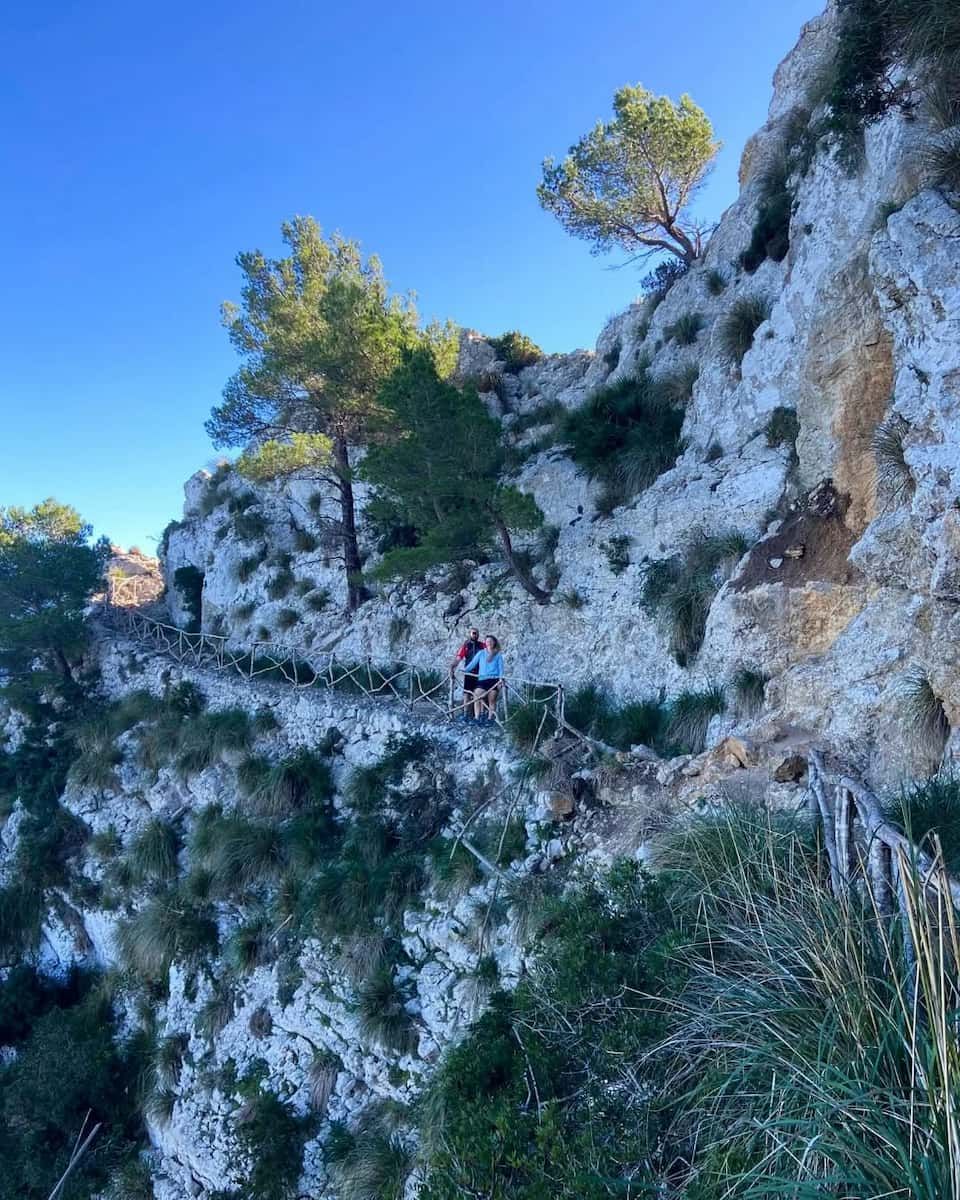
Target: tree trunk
[523,577]
[356,592]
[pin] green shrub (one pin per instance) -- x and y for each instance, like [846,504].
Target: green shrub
[167,929]
[573,599]
[516,349]
[287,618]
[304,542]
[239,854]
[252,944]
[924,712]
[928,809]
[680,590]
[383,1017]
[690,714]
[168,531]
[185,699]
[69,1074]
[247,567]
[281,584]
[715,281]
[889,448]
[243,612]
[771,229]
[374,1164]
[318,601]
[203,740]
[617,550]
[677,387]
[685,330]
[98,756]
[740,324]
[250,525]
[216,492]
[749,686]
[626,434]
[188,581]
[280,789]
[153,854]
[272,1136]
[782,427]
[662,278]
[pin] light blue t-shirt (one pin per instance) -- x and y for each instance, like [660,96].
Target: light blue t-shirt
[491,668]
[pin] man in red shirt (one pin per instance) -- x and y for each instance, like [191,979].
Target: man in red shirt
[464,655]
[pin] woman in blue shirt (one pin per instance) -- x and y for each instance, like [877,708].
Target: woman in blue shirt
[487,665]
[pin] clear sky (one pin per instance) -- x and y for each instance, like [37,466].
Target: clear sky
[144,145]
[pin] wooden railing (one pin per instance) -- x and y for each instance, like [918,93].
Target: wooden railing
[867,854]
[302,668]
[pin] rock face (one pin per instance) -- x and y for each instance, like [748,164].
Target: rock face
[830,447]
[860,335]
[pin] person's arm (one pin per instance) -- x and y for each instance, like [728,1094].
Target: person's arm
[460,656]
[469,669]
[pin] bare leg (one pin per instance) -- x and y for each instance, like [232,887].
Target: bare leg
[478,704]
[492,703]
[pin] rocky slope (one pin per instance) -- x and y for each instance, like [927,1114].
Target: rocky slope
[830,448]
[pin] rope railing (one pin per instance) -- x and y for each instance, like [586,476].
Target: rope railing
[302,668]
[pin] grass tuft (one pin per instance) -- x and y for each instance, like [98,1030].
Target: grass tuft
[738,327]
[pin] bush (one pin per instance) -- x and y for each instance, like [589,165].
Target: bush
[771,230]
[374,1164]
[203,740]
[516,349]
[715,281]
[383,1017]
[749,686]
[573,599]
[685,329]
[69,1074]
[662,278]
[153,855]
[304,542]
[216,492]
[740,324]
[188,581]
[250,526]
[281,789]
[617,550]
[167,929]
[98,756]
[889,448]
[243,612]
[924,712]
[680,590]
[248,566]
[280,585]
[318,601]
[625,435]
[272,1136]
[677,387]
[782,428]
[287,618]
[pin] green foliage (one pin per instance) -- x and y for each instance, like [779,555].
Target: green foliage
[625,435]
[372,1164]
[204,739]
[447,436]
[617,550]
[319,324]
[250,525]
[782,427]
[690,714]
[243,612]
[629,183]
[771,230]
[280,585]
[287,618]
[516,349]
[98,756]
[319,600]
[68,1070]
[685,329]
[168,929]
[924,713]
[889,448]
[941,161]
[681,589]
[216,492]
[580,1136]
[383,1017]
[248,566]
[188,581]
[716,281]
[280,789]
[48,571]
[573,599]
[741,323]
[658,283]
[153,855]
[677,387]
[928,810]
[272,1135]
[748,685]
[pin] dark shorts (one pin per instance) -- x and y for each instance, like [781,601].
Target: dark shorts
[487,685]
[471,682]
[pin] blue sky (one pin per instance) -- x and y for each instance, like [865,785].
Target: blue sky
[143,146]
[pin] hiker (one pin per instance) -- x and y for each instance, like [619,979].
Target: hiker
[470,647]
[488,664]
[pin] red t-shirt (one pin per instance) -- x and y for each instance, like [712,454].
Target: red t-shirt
[464,654]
